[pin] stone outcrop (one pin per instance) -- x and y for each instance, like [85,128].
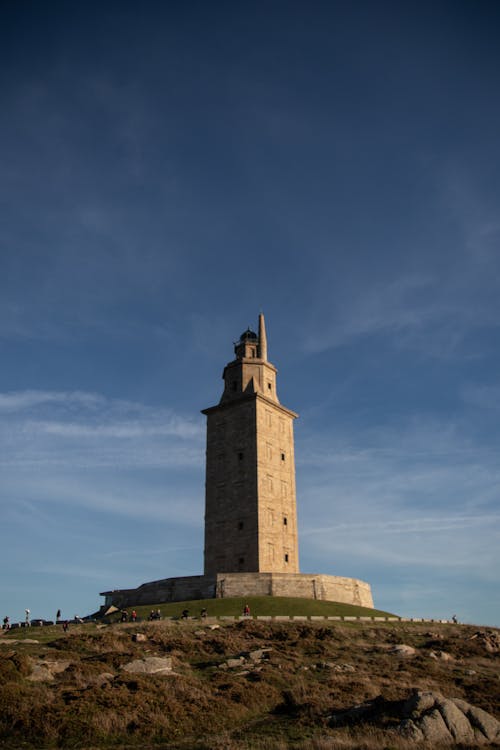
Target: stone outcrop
[45,671]
[401,649]
[489,639]
[426,717]
[155,665]
[246,659]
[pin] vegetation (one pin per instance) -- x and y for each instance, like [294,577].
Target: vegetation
[239,685]
[259,605]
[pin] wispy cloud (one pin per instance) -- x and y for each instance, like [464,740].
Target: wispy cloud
[421,493]
[482,396]
[75,429]
[15,401]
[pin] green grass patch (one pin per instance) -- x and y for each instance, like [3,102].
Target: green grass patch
[259,605]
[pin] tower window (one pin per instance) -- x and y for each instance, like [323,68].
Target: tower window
[282,456]
[286,557]
[285,521]
[240,525]
[241,560]
[269,386]
[240,456]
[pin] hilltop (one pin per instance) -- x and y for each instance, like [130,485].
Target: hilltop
[259,605]
[249,684]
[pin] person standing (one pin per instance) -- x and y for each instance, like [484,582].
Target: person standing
[58,615]
[27,621]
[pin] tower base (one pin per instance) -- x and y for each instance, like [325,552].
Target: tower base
[227,585]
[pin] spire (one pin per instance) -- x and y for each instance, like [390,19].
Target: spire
[262,338]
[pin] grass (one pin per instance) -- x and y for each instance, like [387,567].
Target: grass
[259,605]
[282,703]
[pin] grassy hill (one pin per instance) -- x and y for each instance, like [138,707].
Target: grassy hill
[259,605]
[232,685]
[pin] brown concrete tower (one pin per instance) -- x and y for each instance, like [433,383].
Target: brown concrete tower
[250,499]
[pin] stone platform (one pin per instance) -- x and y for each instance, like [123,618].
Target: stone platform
[227,585]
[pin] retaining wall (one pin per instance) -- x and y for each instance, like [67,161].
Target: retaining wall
[228,585]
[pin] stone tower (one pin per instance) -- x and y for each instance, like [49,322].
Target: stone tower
[250,499]
[250,503]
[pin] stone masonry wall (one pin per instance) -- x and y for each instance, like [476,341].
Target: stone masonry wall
[306,586]
[302,585]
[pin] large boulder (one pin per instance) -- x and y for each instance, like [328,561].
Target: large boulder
[426,716]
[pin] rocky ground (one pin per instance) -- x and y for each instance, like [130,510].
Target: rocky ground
[251,684]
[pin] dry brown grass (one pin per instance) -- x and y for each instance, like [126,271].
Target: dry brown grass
[283,702]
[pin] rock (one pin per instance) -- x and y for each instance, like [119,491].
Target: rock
[444,656]
[256,655]
[482,720]
[233,663]
[489,639]
[409,730]
[103,678]
[402,650]
[418,702]
[441,655]
[44,671]
[150,665]
[464,723]
[426,716]
[456,721]
[433,727]
[344,668]
[139,637]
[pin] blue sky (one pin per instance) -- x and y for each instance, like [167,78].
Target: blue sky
[167,170]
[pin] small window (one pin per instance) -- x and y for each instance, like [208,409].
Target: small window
[282,456]
[240,456]
[234,385]
[286,558]
[240,525]
[269,387]
[285,521]
[241,560]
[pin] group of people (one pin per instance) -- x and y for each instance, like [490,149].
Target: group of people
[124,616]
[6,624]
[185,614]
[27,620]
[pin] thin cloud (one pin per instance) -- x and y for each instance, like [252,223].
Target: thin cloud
[77,429]
[416,525]
[482,396]
[15,401]
[176,428]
